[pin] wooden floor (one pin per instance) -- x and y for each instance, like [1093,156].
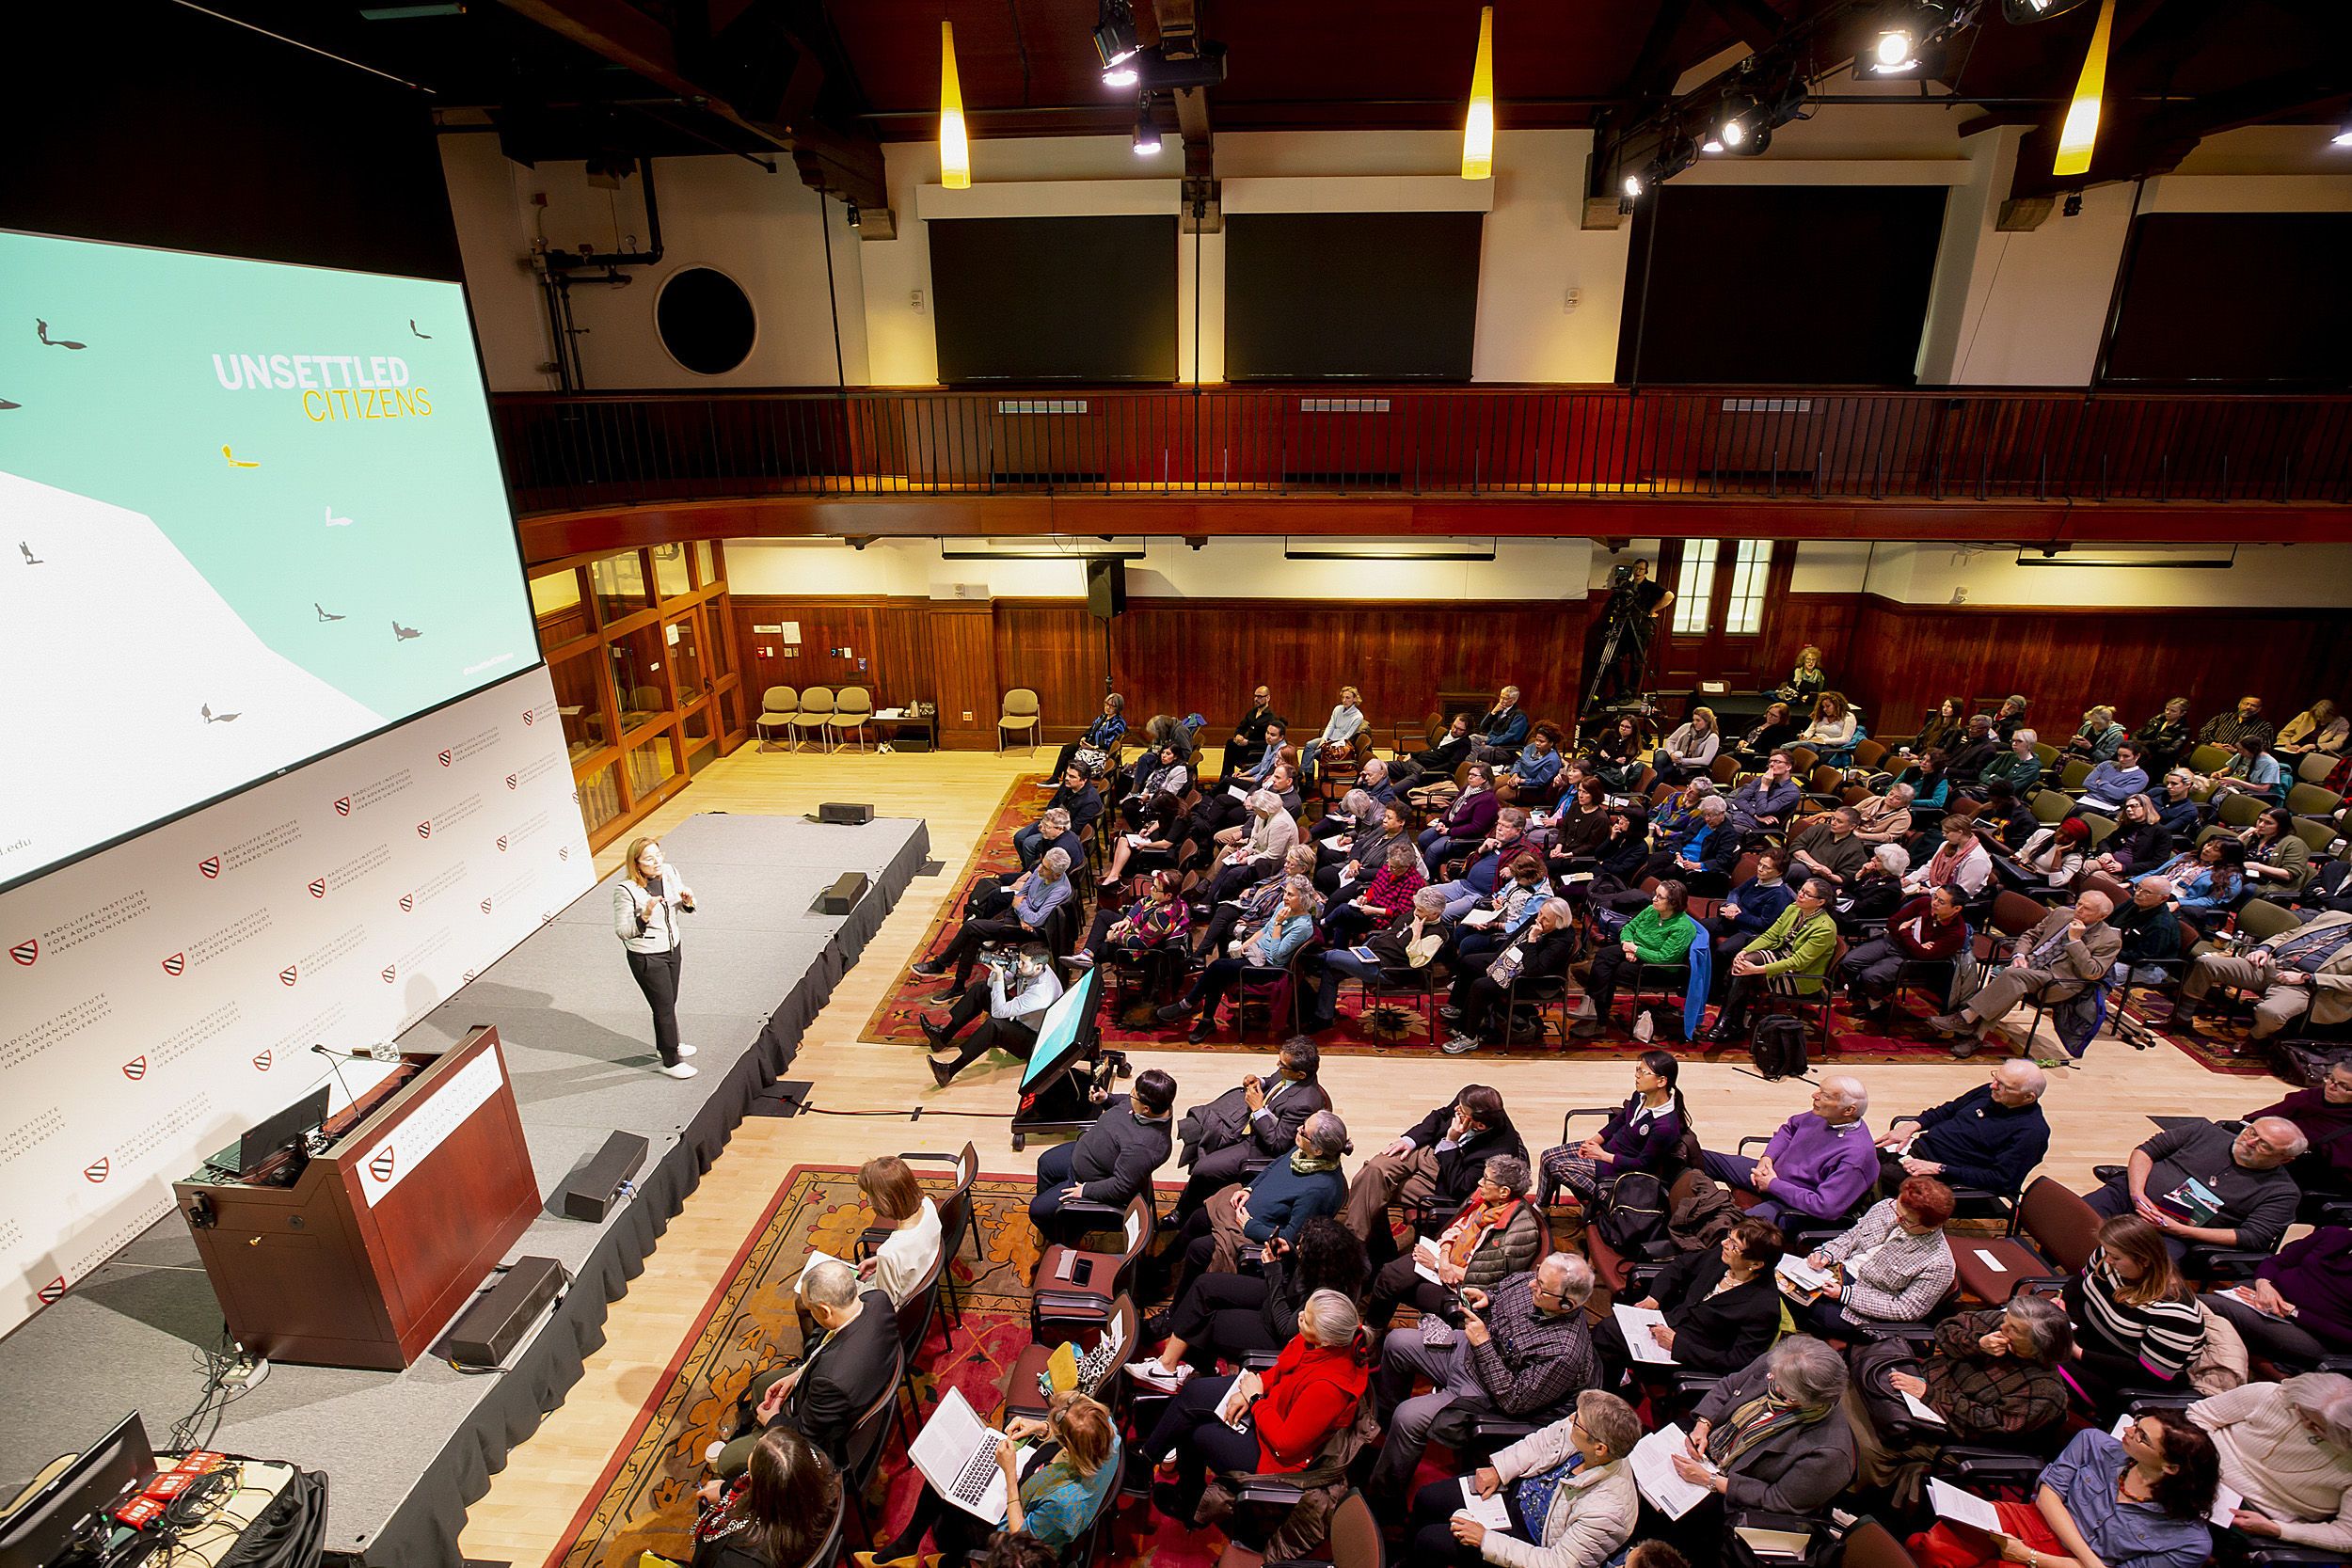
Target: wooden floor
[2098,1111]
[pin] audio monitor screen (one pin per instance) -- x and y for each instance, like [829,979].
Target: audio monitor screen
[252,514]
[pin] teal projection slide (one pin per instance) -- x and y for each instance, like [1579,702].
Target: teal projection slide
[248,512]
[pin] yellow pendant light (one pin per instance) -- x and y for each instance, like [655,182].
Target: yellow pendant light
[1478,132]
[955,151]
[2081,130]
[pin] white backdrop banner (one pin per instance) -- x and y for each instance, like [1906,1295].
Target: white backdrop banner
[161,997]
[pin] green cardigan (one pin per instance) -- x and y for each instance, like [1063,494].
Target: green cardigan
[1660,942]
[1808,951]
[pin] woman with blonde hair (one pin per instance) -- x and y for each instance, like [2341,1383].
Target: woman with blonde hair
[1053,1495]
[1339,731]
[1807,680]
[1691,749]
[647,902]
[2318,728]
[2096,741]
[901,1206]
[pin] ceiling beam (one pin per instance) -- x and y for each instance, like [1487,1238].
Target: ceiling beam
[847,164]
[1755,23]
[1180,37]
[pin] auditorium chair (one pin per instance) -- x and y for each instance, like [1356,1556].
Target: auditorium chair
[1868,754]
[1017,710]
[853,710]
[864,1450]
[2050,808]
[2309,799]
[1353,1536]
[2240,807]
[2052,1235]
[2210,760]
[815,713]
[915,1316]
[1801,760]
[1542,993]
[1371,995]
[1124,1322]
[777,706]
[828,1550]
[2316,767]
[1725,770]
[1056,1300]
[955,1217]
[2318,834]
[2101,828]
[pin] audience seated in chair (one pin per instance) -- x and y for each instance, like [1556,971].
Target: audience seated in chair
[1990,1138]
[1497,1234]
[1465,820]
[2071,947]
[1152,842]
[1660,936]
[1791,959]
[777,1512]
[2201,1184]
[1524,1350]
[2097,740]
[2319,729]
[1928,931]
[2137,1325]
[1223,809]
[901,1263]
[1077,801]
[2241,722]
[1397,953]
[1833,725]
[2138,1503]
[1983,747]
[1892,1265]
[2151,936]
[1722,1305]
[1339,732]
[2323,1114]
[2164,737]
[1101,738]
[1246,850]
[1538,763]
[1616,756]
[1690,751]
[1765,803]
[1111,1161]
[1961,861]
[1230,1316]
[1025,904]
[1863,905]
[1287,1413]
[2052,857]
[2277,861]
[1483,863]
[1439,759]
[2286,1449]
[1278,1201]
[1052,1495]
[1773,1436]
[1817,1166]
[1436,1165]
[1776,730]
[1991,1375]
[2208,882]
[838,1381]
[1750,909]
[1701,857]
[1256,1119]
[1159,922]
[1354,856]
[1248,741]
[1568,1491]
[1270,947]
[2113,782]
[1247,910]
[2297,1308]
[1646,1133]
[1830,847]
[1498,733]
[2140,844]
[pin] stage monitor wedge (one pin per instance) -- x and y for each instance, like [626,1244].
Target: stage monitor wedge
[256,513]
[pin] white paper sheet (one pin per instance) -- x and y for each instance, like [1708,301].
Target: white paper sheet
[1653,1472]
[816,1258]
[1919,1408]
[1635,1321]
[1802,1275]
[1482,917]
[1233,1410]
[1493,1511]
[1989,1261]
[1950,1502]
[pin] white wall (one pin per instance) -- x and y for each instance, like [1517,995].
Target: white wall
[2265,576]
[765,231]
[1224,568]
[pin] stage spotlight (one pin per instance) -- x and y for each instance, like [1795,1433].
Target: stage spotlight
[1147,135]
[2024,14]
[1633,187]
[1120,76]
[1909,42]
[1115,36]
[2342,136]
[1713,142]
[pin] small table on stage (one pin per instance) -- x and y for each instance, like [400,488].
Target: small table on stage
[362,1256]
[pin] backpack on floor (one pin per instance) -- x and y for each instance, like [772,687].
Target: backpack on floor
[1632,1219]
[1777,1047]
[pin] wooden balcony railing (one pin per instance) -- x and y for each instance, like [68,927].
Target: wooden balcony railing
[624,449]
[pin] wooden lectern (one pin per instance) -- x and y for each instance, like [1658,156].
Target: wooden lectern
[370,1251]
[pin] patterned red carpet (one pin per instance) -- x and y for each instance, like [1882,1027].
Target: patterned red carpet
[1402,1029]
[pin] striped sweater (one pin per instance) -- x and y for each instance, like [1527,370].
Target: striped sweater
[2164,1334]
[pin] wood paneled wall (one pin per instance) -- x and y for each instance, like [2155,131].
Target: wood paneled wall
[1203,655]
[1906,658]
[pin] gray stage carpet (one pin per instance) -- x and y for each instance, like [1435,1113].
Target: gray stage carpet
[405,1452]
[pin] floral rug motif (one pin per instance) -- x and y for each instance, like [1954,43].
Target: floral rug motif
[1398,1026]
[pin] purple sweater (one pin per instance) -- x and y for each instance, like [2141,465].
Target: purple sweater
[1821,1171]
[2315,1273]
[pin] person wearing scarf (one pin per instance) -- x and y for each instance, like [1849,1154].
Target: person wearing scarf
[1772,1437]
[1960,860]
[1496,1235]
[1279,1202]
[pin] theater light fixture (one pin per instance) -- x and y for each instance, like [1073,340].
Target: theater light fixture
[2024,14]
[1478,131]
[2342,136]
[1119,76]
[955,150]
[2080,133]
[1147,134]
[1115,36]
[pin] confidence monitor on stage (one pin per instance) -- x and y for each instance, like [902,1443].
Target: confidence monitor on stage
[44,1526]
[1065,1032]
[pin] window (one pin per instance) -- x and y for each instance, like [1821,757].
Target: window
[1744,609]
[1691,589]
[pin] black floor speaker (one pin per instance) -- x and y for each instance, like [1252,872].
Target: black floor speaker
[592,1189]
[495,1324]
[845,813]
[843,896]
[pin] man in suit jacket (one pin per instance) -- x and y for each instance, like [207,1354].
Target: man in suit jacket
[840,1377]
[2070,949]
[1777,1433]
[2307,968]
[1438,1162]
[1260,1118]
[1113,1160]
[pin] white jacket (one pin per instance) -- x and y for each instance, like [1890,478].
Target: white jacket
[1592,1515]
[661,932]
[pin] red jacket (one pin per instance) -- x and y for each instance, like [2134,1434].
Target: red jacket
[1942,942]
[1310,1394]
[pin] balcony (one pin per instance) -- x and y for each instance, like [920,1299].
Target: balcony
[600,452]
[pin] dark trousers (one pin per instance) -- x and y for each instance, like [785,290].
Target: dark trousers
[1189,1430]
[1219,931]
[656,975]
[1432,1530]
[964,948]
[1610,969]
[1222,1315]
[1053,1175]
[1213,1172]
[1477,993]
[954,1532]
[1209,987]
[1197,1245]
[993,1034]
[1395,1284]
[2289,1343]
[1216,814]
[1230,879]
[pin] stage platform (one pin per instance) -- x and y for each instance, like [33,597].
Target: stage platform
[405,1452]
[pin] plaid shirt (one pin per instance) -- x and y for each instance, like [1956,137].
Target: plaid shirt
[1531,1360]
[1983,1395]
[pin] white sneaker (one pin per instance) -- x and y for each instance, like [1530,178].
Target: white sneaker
[685,1051]
[1153,1375]
[677,1069]
[1460,1045]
